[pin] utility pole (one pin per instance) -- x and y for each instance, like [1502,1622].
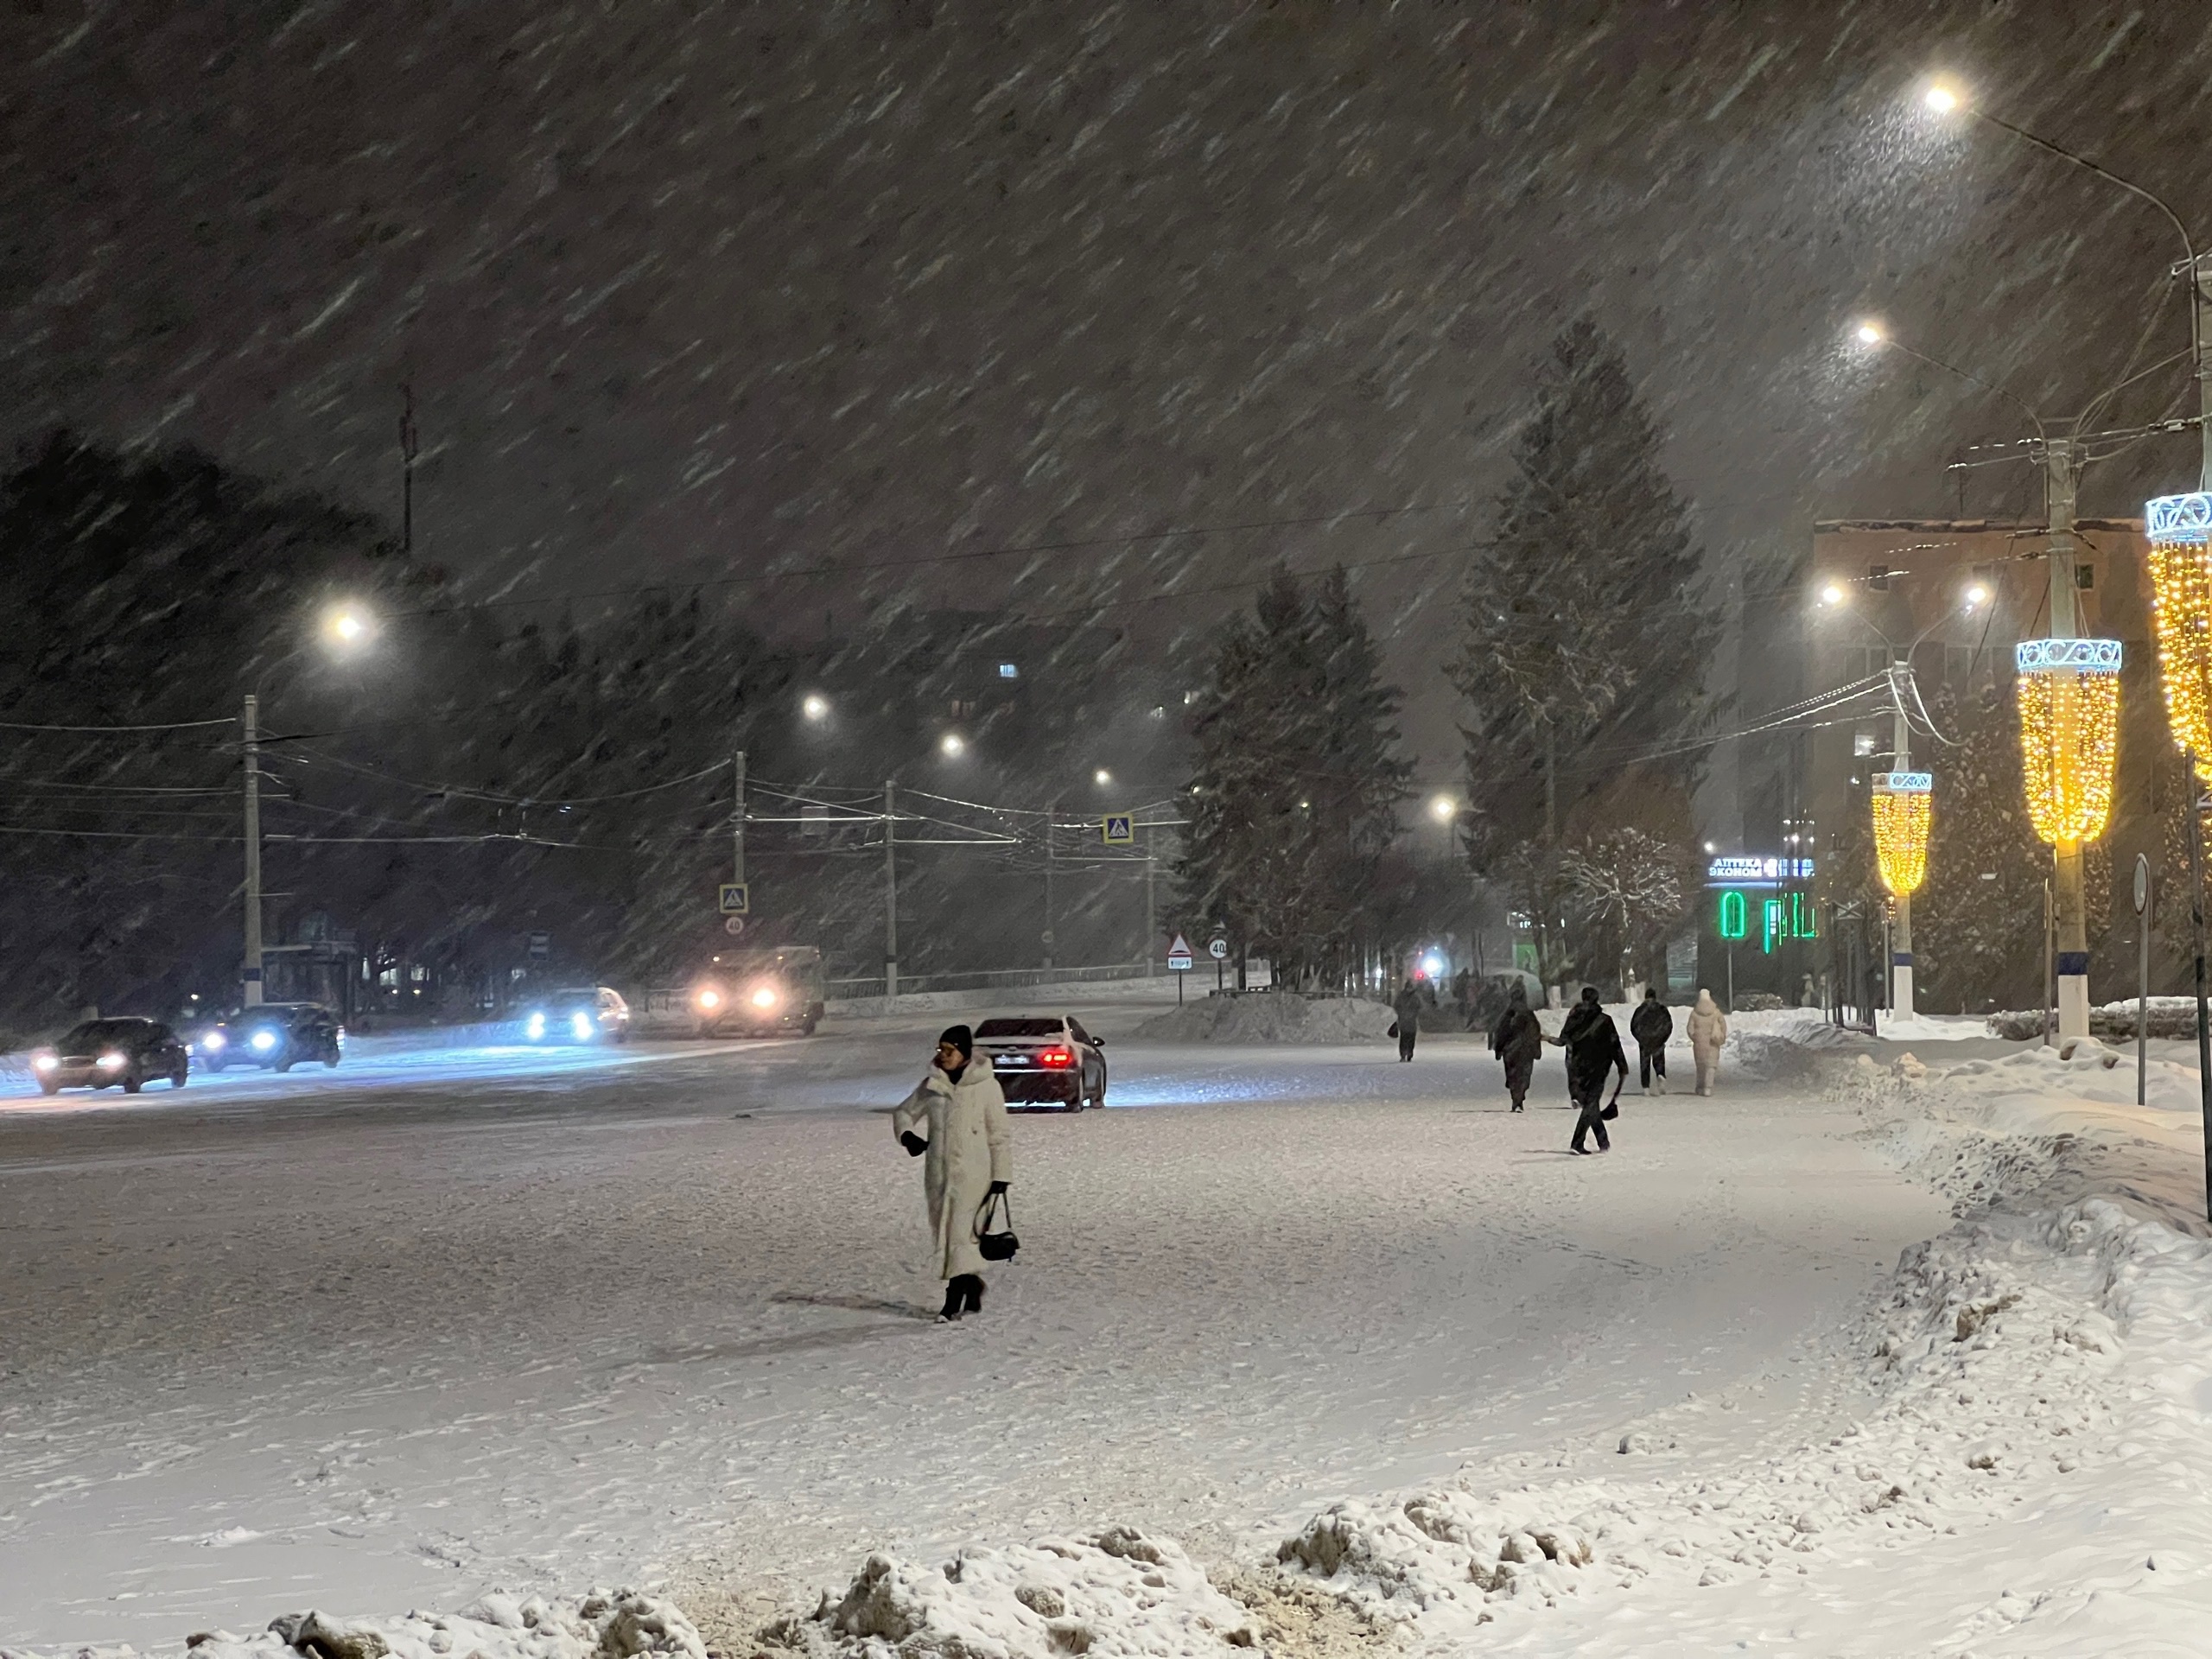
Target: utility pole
[252,727]
[2196,938]
[1901,933]
[1151,916]
[737,821]
[407,447]
[890,890]
[2061,464]
[1052,815]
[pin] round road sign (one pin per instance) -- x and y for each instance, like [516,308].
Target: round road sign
[1217,949]
[2142,883]
[732,925]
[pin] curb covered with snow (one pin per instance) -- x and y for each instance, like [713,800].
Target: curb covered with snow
[1270,1017]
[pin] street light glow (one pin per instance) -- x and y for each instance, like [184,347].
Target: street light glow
[817,706]
[1976,595]
[1941,97]
[1834,594]
[953,745]
[1443,808]
[347,625]
[1101,776]
[1869,334]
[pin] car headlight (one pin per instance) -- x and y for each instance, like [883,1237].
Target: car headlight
[711,998]
[262,1041]
[44,1063]
[213,1042]
[764,997]
[535,1026]
[113,1062]
[580,1025]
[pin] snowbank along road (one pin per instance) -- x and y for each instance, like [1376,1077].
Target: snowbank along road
[392,1342]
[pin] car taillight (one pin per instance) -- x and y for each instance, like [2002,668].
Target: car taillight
[1058,1058]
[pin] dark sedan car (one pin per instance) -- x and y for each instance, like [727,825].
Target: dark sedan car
[131,1051]
[585,1013]
[1045,1060]
[274,1036]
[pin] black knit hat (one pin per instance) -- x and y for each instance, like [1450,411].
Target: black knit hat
[960,1038]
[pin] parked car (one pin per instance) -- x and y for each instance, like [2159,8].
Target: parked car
[584,1014]
[274,1036]
[1045,1060]
[131,1051]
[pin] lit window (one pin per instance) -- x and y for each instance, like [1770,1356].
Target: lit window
[1009,672]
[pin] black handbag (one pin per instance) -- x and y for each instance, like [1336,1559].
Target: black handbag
[1001,1245]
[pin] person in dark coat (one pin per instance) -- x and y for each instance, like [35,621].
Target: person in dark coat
[1592,1043]
[1651,1026]
[1516,1038]
[1406,1006]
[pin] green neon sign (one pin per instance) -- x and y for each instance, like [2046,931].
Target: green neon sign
[1735,915]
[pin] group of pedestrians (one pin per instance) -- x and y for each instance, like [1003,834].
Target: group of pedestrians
[1594,1049]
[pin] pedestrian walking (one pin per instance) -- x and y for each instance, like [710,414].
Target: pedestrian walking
[1592,1043]
[1651,1025]
[955,1121]
[1708,1030]
[1406,1006]
[1516,1038]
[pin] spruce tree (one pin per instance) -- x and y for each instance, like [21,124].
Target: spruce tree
[1297,783]
[1586,642]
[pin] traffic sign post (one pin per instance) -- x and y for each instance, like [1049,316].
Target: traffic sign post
[735,898]
[1218,947]
[1178,963]
[1118,829]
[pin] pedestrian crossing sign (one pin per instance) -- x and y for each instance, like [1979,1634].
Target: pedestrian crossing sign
[1120,829]
[736,899]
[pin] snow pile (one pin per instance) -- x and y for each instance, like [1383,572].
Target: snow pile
[602,1624]
[1272,1017]
[1997,1360]
[1119,1592]
[2172,1017]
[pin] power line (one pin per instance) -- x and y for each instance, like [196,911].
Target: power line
[171,726]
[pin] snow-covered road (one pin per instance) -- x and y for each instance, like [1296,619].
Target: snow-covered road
[387,1339]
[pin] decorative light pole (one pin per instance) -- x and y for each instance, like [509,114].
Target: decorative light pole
[2180,529]
[2069,743]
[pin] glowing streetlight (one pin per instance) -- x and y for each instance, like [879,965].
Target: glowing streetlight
[1834,593]
[1869,334]
[1977,596]
[815,707]
[1101,776]
[952,746]
[1941,97]
[347,625]
[1443,809]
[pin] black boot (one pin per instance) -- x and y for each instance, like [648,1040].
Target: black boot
[974,1293]
[955,1299]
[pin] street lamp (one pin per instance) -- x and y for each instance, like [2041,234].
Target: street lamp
[1945,97]
[815,707]
[2065,706]
[1443,809]
[952,746]
[1101,776]
[1904,799]
[347,625]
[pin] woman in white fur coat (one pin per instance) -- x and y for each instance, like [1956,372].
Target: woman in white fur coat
[956,1120]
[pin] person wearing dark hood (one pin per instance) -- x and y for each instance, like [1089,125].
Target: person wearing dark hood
[1406,1006]
[1651,1026]
[1592,1043]
[1516,1038]
[955,1122]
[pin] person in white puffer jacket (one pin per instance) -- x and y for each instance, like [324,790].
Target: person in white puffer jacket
[956,1120]
[1708,1029]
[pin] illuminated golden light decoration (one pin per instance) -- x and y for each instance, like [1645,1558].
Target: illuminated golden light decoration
[1903,813]
[2180,528]
[2070,734]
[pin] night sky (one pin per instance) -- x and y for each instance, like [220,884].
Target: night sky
[719,292]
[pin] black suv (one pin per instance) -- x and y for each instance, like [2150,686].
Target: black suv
[131,1051]
[274,1036]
